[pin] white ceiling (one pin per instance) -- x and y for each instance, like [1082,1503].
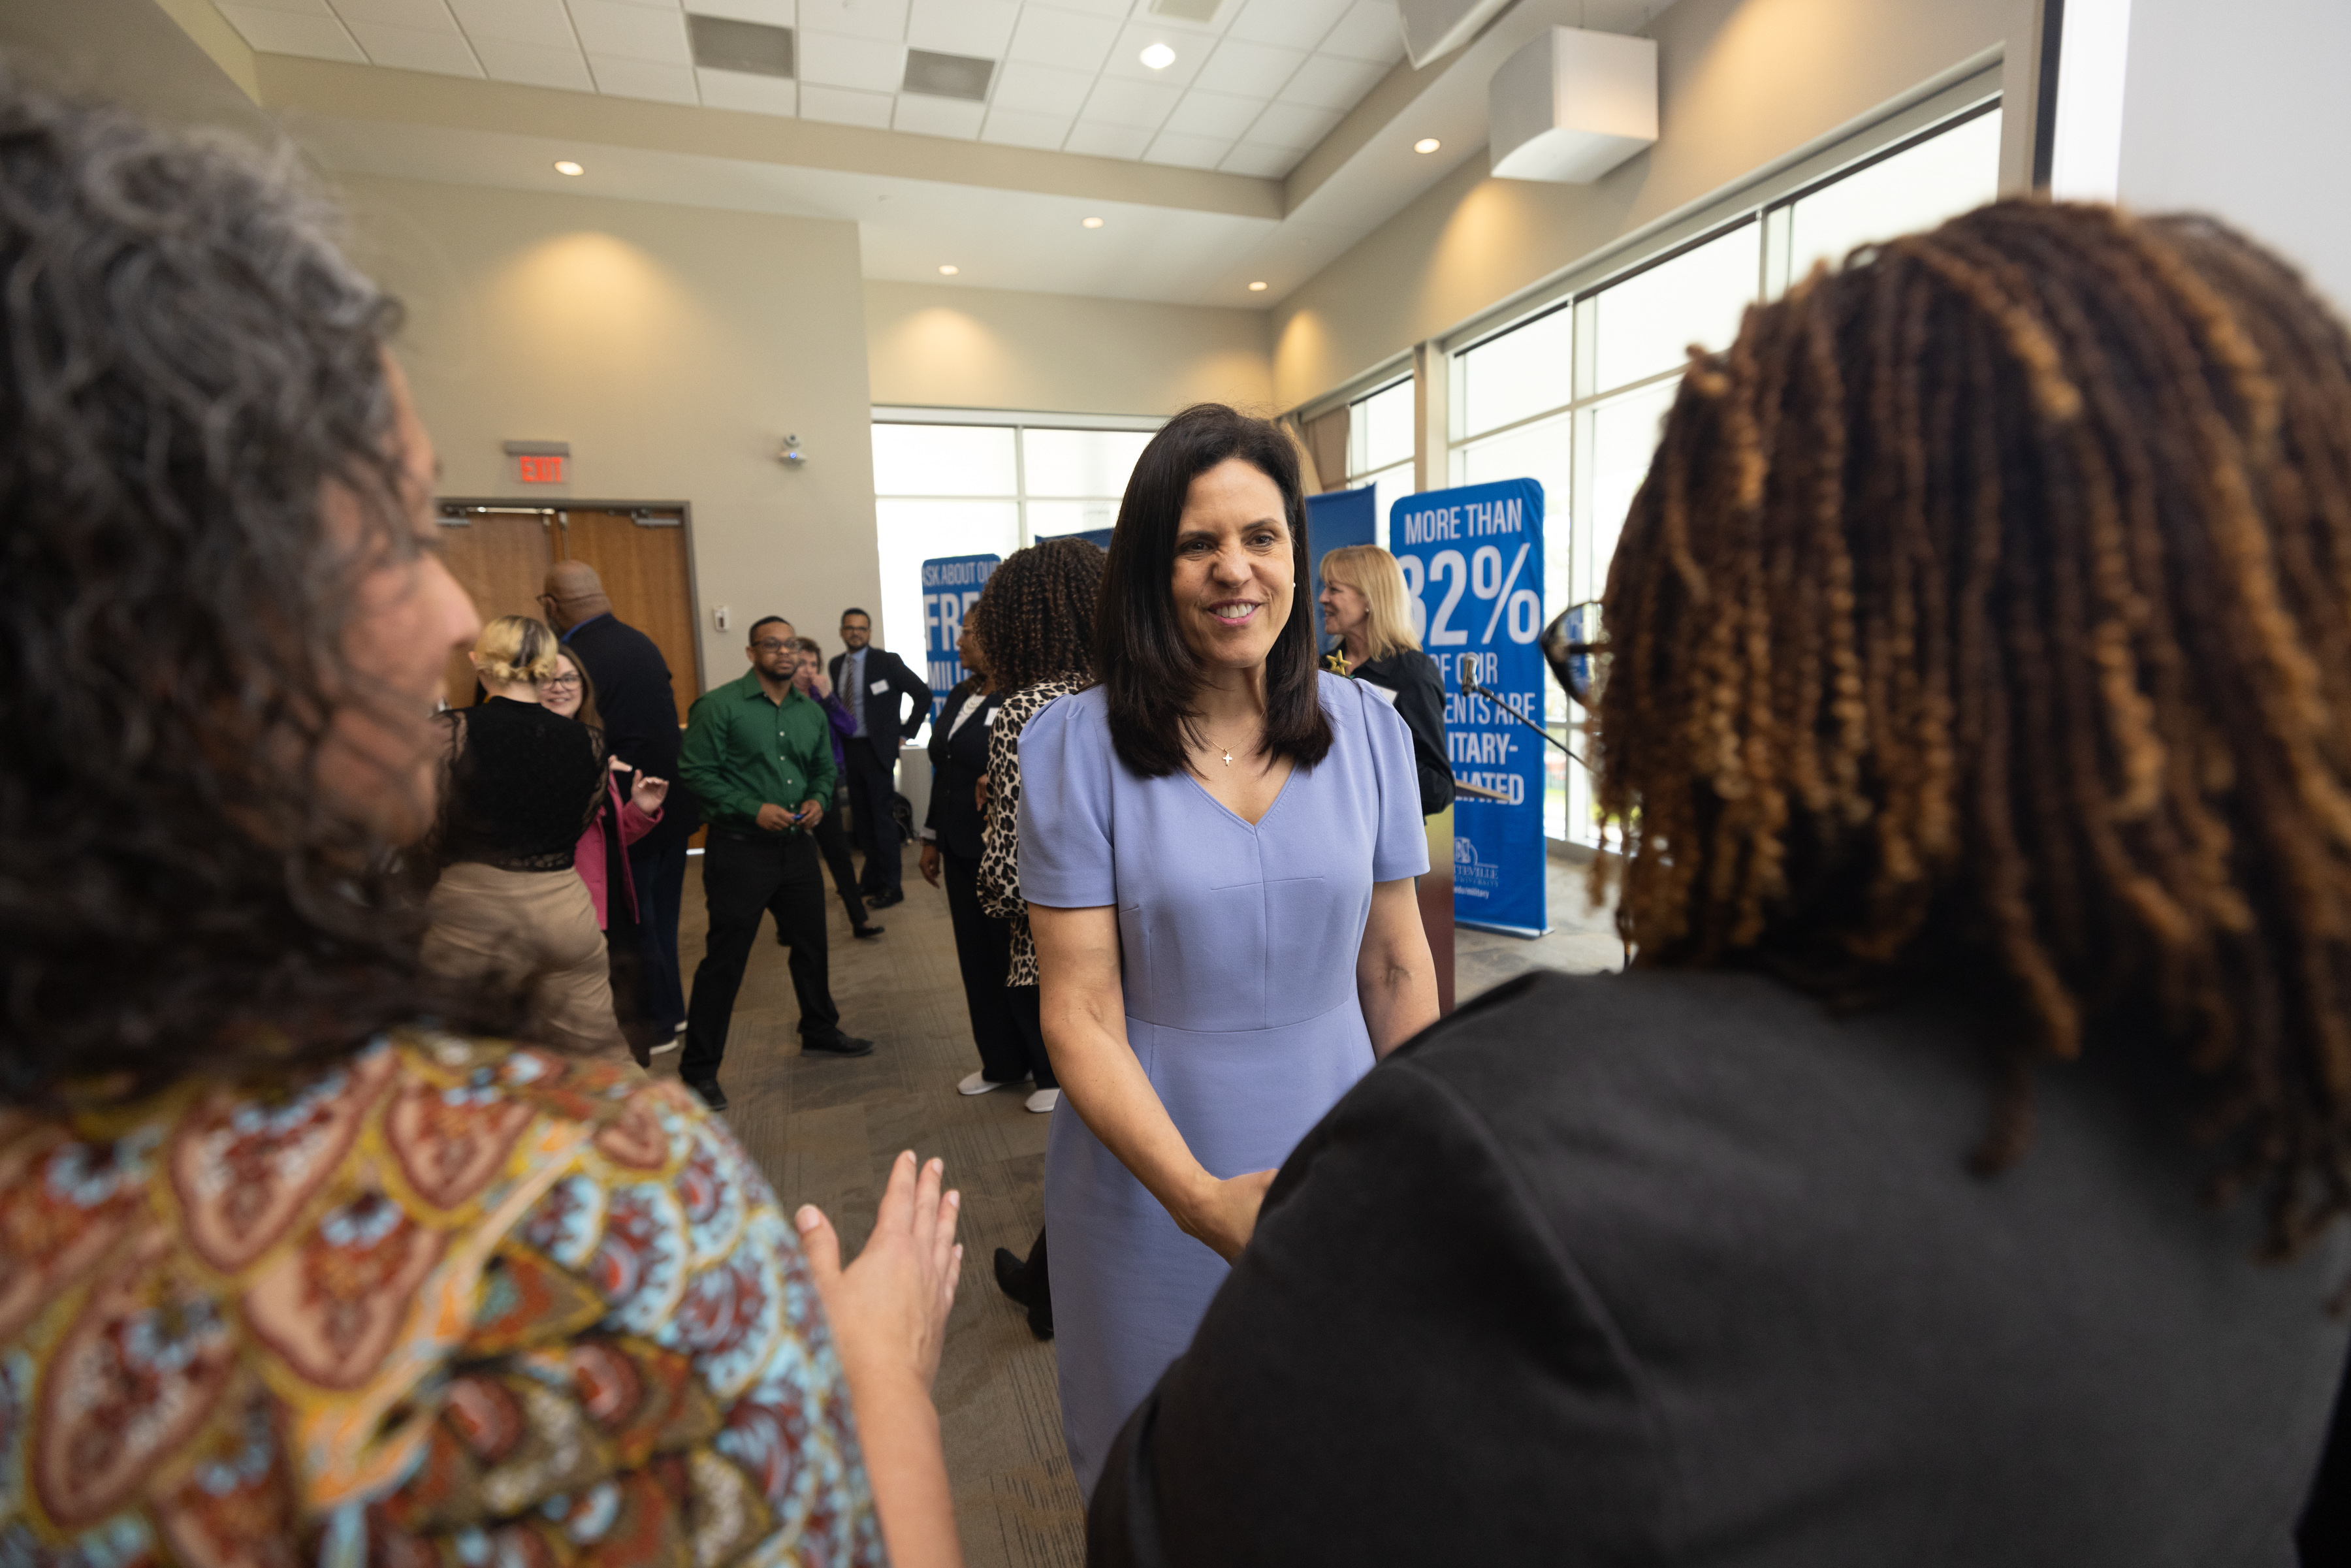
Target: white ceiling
[1247,93]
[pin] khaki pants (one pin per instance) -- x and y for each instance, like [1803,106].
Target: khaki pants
[535,929]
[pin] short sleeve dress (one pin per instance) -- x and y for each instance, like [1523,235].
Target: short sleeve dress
[1238,948]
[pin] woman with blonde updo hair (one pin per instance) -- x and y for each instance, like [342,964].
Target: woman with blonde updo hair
[524,783]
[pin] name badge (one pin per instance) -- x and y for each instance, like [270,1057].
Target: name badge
[878,687]
[1379,691]
[987,719]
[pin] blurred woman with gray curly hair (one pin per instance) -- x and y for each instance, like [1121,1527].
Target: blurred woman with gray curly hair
[291,1268]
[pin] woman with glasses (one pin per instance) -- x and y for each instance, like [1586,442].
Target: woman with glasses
[601,857]
[1958,1175]
[1365,606]
[300,1261]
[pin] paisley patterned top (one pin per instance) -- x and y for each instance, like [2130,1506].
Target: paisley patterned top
[448,1305]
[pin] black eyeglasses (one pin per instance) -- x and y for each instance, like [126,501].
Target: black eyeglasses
[1576,645]
[769,645]
[560,682]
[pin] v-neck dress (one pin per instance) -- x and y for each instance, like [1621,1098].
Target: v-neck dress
[1237,948]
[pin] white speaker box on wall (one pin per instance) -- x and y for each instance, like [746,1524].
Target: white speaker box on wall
[1571,105]
[1435,28]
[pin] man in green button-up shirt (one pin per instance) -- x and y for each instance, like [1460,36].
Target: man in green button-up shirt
[759,756]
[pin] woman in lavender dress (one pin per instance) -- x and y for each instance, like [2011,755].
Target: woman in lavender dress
[1217,848]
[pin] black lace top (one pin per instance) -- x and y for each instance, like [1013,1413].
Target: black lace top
[523,784]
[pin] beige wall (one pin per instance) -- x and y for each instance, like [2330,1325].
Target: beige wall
[134,53]
[1742,84]
[935,347]
[672,348]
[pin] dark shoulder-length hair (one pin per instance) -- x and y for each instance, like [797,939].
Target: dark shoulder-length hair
[1149,671]
[191,362]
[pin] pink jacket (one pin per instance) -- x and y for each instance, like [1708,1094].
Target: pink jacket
[588,860]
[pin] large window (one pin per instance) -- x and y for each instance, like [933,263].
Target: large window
[984,488]
[1380,448]
[1573,394]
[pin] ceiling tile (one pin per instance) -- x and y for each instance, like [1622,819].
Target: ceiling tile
[1214,114]
[844,105]
[1188,152]
[288,33]
[426,15]
[1369,31]
[623,77]
[1107,141]
[1042,90]
[1296,23]
[1330,81]
[534,65]
[1117,8]
[622,31]
[774,13]
[884,19]
[542,22]
[870,64]
[742,90]
[978,27]
[1291,125]
[927,116]
[416,49]
[1126,55]
[1143,104]
[1050,36]
[1020,127]
[299,7]
[1253,70]
[1265,163]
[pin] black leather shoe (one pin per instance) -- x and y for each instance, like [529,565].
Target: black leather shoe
[712,1095]
[839,1045]
[1011,1275]
[884,899]
[868,929]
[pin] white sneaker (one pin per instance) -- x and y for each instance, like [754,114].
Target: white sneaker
[1044,1100]
[672,1043]
[981,1084]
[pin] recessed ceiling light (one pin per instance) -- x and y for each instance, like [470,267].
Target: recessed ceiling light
[1158,56]
[1426,144]
[1257,287]
[566,166]
[949,270]
[1092,222]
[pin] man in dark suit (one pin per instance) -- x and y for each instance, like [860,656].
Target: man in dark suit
[639,711]
[875,684]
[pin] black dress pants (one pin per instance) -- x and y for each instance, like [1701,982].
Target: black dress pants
[872,789]
[742,879]
[984,951]
[833,844]
[660,877]
[1028,1018]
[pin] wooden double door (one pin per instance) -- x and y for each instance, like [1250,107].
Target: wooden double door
[500,554]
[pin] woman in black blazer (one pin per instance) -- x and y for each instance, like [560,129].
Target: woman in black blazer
[951,848]
[1364,606]
[1958,1176]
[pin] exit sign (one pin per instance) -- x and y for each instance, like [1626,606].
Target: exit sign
[542,470]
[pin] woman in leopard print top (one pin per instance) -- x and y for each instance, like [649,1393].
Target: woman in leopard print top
[1038,609]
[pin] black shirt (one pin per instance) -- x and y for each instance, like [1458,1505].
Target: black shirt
[523,784]
[1419,691]
[1681,1268]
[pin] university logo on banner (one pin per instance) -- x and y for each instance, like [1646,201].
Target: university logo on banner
[951,586]
[1473,570]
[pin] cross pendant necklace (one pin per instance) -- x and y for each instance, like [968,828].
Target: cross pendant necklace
[1228,760]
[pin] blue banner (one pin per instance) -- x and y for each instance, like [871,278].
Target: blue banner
[951,586]
[1335,518]
[1473,566]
